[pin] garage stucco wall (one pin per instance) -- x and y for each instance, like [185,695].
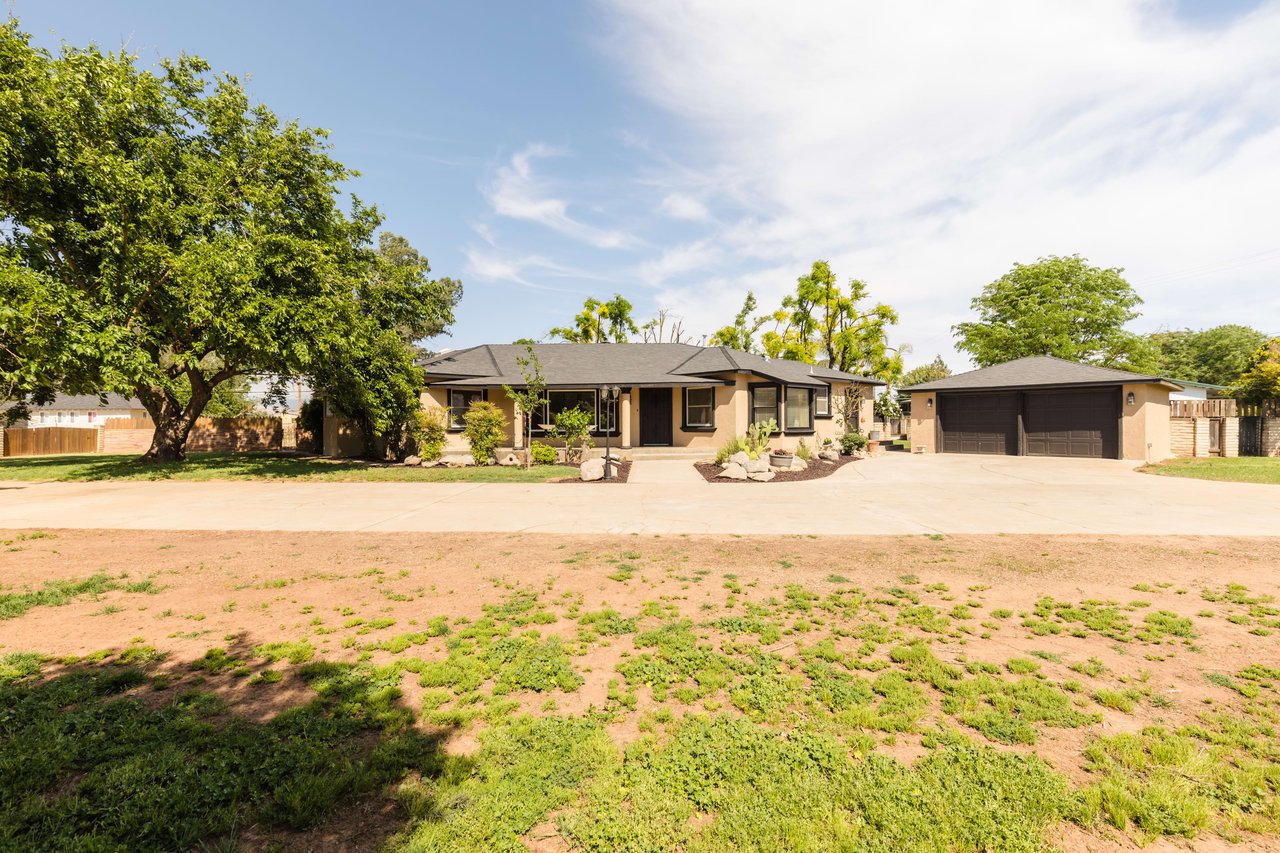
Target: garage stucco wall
[1145,429]
[922,426]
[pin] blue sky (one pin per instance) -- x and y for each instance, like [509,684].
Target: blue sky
[681,153]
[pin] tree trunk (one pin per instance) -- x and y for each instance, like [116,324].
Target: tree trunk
[173,420]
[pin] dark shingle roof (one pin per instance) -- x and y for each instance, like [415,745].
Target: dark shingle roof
[1037,371]
[567,365]
[65,402]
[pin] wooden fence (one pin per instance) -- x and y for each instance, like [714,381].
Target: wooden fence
[1223,408]
[42,441]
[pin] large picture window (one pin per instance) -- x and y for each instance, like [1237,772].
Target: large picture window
[764,403]
[459,401]
[603,418]
[699,408]
[799,414]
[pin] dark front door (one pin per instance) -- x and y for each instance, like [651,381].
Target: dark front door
[978,423]
[1073,423]
[655,417]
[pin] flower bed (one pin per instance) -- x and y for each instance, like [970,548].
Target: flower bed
[621,471]
[817,469]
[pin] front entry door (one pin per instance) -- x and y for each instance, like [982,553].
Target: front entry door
[655,417]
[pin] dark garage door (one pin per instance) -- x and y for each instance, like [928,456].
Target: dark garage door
[1073,423]
[978,423]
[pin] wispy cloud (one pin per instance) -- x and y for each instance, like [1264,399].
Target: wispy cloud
[681,206]
[527,270]
[516,192]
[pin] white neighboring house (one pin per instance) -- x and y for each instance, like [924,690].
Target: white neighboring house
[85,410]
[1197,391]
[297,392]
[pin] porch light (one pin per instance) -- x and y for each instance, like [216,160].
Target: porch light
[609,394]
[928,403]
[1129,398]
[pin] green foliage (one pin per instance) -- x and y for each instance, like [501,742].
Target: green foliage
[803,450]
[1261,377]
[741,335]
[528,663]
[431,432]
[1217,356]
[59,592]
[530,400]
[851,441]
[736,444]
[931,372]
[166,234]
[543,454]
[573,426]
[758,435]
[886,406]
[311,421]
[1058,306]
[600,322]
[485,430]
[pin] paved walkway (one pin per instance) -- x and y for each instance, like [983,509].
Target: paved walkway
[894,494]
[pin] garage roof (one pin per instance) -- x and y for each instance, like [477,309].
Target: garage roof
[1039,371]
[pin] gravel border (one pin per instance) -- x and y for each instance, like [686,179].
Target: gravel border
[816,471]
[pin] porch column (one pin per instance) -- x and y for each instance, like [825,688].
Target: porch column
[517,426]
[624,417]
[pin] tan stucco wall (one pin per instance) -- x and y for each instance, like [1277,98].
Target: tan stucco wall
[922,425]
[1145,428]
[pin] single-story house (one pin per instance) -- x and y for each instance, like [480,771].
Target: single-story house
[671,395]
[1197,391]
[1044,406]
[85,410]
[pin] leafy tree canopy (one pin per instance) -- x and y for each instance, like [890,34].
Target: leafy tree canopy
[742,334]
[600,322]
[1059,306]
[1217,356]
[931,372]
[164,233]
[1260,380]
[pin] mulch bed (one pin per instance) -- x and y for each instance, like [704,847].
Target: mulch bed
[621,470]
[816,471]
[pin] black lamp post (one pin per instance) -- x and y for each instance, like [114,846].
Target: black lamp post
[609,393]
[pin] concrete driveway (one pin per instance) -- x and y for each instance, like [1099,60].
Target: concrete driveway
[893,494]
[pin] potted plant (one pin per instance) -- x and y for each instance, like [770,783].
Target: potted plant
[780,458]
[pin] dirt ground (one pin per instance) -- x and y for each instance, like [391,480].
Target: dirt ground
[244,588]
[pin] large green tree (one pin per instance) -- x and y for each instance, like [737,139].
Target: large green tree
[822,322]
[931,372]
[165,235]
[600,322]
[1217,356]
[1059,306]
[1260,380]
[741,335]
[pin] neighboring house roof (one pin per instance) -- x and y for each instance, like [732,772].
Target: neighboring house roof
[1034,371]
[77,402]
[1187,383]
[590,365]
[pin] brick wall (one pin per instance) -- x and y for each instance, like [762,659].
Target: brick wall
[1190,436]
[1271,436]
[1231,437]
[219,435]
[125,440]
[1182,436]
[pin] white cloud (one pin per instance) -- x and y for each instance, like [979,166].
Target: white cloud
[517,193]
[925,147]
[681,206]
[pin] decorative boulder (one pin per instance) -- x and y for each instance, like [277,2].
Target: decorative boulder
[592,469]
[762,476]
[757,466]
[829,455]
[740,458]
[734,471]
[431,463]
[508,459]
[798,464]
[413,461]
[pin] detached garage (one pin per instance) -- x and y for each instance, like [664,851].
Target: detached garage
[1044,406]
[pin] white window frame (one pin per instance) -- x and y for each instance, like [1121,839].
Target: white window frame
[460,424]
[710,406]
[787,407]
[822,403]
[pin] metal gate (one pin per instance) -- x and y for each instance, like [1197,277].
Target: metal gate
[1251,435]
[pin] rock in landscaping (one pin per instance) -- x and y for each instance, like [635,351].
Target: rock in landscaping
[762,476]
[508,459]
[777,469]
[798,464]
[740,458]
[592,469]
[756,466]
[413,461]
[733,471]
[431,463]
[828,455]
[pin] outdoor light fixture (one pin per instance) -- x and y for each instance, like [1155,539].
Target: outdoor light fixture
[1129,398]
[929,403]
[610,394]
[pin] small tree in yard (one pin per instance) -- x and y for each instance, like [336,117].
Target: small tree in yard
[485,428]
[848,407]
[574,426]
[1261,378]
[531,400]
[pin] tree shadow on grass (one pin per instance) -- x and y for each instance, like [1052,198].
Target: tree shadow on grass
[243,465]
[127,750]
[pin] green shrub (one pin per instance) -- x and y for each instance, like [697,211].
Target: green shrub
[430,433]
[758,435]
[803,451]
[574,426]
[852,441]
[737,444]
[486,428]
[543,454]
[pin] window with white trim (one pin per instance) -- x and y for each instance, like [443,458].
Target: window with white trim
[822,402]
[700,408]
[798,411]
[764,403]
[460,399]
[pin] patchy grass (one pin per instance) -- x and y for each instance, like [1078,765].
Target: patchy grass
[1236,469]
[261,466]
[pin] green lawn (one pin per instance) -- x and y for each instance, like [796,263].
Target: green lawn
[260,466]
[1238,469]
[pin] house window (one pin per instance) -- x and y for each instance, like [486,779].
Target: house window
[699,408]
[764,403]
[563,401]
[822,403]
[799,411]
[459,402]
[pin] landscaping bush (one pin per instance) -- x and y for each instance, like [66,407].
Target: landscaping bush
[486,428]
[852,441]
[543,454]
[430,433]
[758,435]
[737,444]
[574,426]
[803,451]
